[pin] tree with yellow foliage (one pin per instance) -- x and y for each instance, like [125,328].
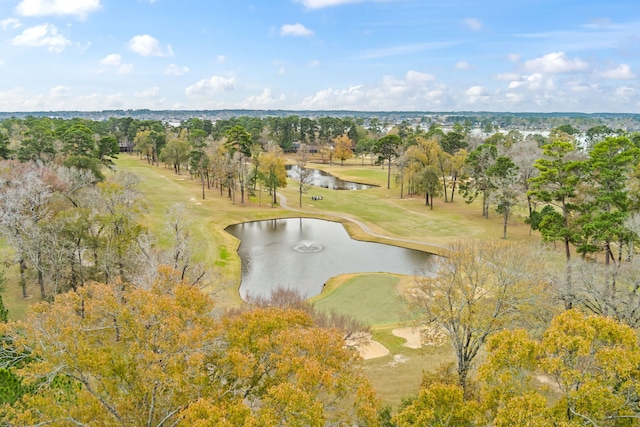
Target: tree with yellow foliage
[281,369]
[591,363]
[343,148]
[273,173]
[114,355]
[126,356]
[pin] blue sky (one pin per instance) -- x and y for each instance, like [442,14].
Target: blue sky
[369,55]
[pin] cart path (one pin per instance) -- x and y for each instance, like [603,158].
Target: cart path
[362,225]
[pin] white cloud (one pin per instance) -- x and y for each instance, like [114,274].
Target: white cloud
[532,82]
[113,59]
[295,30]
[473,24]
[515,98]
[211,85]
[578,86]
[58,91]
[60,98]
[221,59]
[405,49]
[556,62]
[79,8]
[115,100]
[336,98]
[418,77]
[315,63]
[477,94]
[395,87]
[174,70]
[45,35]
[622,72]
[11,23]
[146,45]
[464,65]
[506,77]
[100,101]
[151,92]
[476,91]
[16,99]
[413,91]
[321,4]
[515,84]
[263,100]
[282,71]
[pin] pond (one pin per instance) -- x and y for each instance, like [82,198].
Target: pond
[320,178]
[303,253]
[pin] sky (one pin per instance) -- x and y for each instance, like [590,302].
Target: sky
[365,55]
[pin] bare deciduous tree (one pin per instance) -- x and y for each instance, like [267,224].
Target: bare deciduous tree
[612,291]
[478,289]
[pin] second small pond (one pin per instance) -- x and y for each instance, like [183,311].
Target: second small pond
[320,178]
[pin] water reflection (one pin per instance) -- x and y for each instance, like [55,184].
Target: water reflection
[303,253]
[320,178]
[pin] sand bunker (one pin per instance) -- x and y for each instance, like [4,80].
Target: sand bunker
[417,337]
[368,348]
[372,349]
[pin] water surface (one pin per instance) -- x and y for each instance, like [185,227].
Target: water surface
[303,253]
[320,178]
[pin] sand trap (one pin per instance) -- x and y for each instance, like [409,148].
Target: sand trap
[372,349]
[417,337]
[368,348]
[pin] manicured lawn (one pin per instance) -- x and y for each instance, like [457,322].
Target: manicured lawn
[386,214]
[371,298]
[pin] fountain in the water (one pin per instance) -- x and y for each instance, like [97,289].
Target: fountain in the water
[307,246]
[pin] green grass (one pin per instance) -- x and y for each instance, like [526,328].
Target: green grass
[386,214]
[373,299]
[398,375]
